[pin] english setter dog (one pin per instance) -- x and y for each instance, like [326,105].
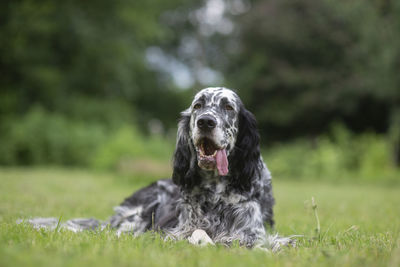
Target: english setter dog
[220,191]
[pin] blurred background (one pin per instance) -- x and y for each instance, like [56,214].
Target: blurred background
[100,84]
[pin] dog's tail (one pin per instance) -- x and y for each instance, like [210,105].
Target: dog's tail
[75,225]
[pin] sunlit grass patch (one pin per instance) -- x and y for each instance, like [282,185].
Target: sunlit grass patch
[359,224]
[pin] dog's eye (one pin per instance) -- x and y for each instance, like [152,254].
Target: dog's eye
[228,107]
[197,106]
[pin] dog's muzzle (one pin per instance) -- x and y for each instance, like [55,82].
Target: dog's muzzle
[210,155]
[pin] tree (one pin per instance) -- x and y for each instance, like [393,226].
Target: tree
[305,64]
[53,52]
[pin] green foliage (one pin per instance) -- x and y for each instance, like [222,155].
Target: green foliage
[53,52]
[126,144]
[340,156]
[41,137]
[300,65]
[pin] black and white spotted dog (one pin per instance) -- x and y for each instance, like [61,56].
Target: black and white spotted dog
[220,189]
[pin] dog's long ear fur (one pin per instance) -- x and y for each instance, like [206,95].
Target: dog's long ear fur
[184,158]
[246,155]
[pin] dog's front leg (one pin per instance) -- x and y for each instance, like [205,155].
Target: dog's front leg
[199,237]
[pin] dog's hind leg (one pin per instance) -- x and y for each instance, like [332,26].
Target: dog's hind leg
[75,225]
[151,207]
[148,208]
[38,223]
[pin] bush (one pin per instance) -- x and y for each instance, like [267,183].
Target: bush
[41,137]
[339,156]
[126,144]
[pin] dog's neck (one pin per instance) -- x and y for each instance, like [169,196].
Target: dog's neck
[209,184]
[210,180]
[208,175]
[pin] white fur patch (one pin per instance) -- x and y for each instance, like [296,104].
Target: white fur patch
[199,237]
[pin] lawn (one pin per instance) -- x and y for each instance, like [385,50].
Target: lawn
[360,224]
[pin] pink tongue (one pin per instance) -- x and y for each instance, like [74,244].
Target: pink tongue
[222,162]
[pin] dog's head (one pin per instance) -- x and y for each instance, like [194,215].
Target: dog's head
[218,135]
[214,127]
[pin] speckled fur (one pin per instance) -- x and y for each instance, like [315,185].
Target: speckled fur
[235,207]
[202,199]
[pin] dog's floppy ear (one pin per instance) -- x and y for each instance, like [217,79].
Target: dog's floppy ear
[246,156]
[184,157]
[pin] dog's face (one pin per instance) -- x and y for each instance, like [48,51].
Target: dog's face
[214,127]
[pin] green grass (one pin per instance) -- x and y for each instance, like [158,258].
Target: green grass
[360,224]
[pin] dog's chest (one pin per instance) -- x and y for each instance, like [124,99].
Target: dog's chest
[212,201]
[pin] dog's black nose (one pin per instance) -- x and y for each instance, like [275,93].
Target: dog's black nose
[206,122]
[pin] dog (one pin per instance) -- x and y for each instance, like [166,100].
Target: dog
[220,191]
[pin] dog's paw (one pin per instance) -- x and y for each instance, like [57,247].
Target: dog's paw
[200,238]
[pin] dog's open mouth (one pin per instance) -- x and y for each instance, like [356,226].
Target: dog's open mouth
[210,156]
